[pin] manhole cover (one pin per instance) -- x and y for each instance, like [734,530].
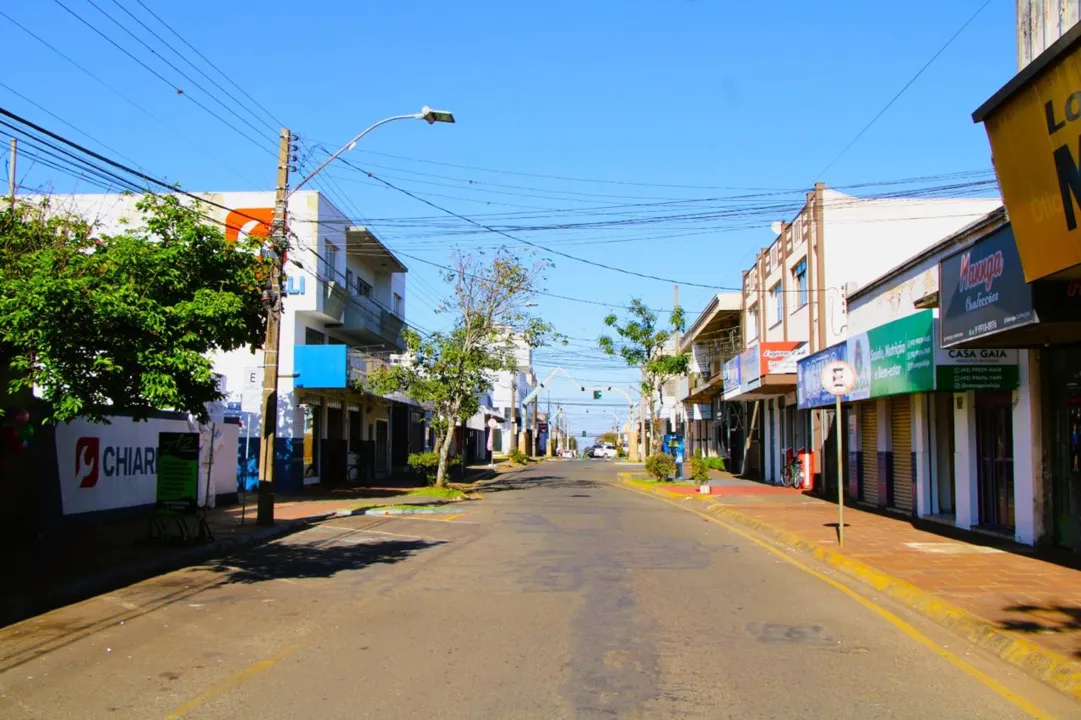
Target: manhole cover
[949,548]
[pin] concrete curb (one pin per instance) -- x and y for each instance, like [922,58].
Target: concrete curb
[1058,671]
[21,608]
[346,512]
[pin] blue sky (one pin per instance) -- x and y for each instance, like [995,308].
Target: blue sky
[578,106]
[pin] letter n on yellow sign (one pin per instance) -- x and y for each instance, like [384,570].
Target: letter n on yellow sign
[1034,125]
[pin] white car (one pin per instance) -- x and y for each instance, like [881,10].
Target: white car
[607,451]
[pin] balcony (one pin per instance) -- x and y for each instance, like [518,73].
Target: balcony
[370,325]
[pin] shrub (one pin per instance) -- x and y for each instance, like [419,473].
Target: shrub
[518,457]
[426,464]
[715,463]
[620,452]
[699,470]
[660,466]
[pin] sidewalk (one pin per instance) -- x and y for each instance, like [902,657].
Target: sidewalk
[1022,603]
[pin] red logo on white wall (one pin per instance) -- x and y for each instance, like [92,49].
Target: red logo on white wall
[87,456]
[252,222]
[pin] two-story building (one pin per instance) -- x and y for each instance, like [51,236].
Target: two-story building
[343,314]
[794,303]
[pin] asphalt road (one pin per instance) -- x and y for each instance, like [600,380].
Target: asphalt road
[560,595]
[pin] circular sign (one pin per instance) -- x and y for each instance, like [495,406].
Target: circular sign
[838,377]
[492,423]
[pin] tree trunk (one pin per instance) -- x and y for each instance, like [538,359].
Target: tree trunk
[444,452]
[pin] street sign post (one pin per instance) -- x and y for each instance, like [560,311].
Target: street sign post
[839,378]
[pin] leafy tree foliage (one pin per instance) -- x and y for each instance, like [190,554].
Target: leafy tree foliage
[644,344]
[100,323]
[448,370]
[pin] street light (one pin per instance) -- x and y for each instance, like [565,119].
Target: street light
[265,512]
[426,113]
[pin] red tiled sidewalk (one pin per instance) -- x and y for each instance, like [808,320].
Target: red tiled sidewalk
[1002,582]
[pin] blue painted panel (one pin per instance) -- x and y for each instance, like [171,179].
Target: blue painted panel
[320,366]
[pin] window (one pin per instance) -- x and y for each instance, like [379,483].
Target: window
[314,337]
[330,267]
[397,304]
[799,275]
[752,322]
[363,288]
[349,281]
[778,303]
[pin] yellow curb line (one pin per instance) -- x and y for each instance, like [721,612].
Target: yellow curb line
[1054,669]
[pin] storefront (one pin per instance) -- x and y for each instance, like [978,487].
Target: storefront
[767,382]
[885,422]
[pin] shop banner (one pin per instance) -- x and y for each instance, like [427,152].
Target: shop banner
[982,290]
[892,359]
[779,358]
[731,377]
[750,369]
[178,473]
[959,370]
[809,390]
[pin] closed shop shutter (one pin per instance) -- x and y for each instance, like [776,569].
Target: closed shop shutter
[869,447]
[901,431]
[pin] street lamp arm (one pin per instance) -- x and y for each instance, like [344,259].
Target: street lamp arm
[349,145]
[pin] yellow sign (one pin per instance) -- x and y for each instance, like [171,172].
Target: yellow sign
[1036,142]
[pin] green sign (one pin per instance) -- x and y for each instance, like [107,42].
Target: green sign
[895,358]
[976,369]
[178,473]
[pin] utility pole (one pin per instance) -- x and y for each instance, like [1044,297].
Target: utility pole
[278,246]
[11,171]
[534,438]
[514,408]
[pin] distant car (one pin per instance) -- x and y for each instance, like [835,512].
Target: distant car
[567,454]
[607,450]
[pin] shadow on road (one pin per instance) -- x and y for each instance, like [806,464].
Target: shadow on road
[306,560]
[546,482]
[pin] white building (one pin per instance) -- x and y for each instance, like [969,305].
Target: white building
[344,310]
[509,389]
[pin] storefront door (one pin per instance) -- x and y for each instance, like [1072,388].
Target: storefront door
[994,451]
[1065,396]
[944,444]
[382,447]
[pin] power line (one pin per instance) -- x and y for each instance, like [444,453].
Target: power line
[161,77]
[901,92]
[193,66]
[208,62]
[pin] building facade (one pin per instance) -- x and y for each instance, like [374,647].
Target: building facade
[343,315]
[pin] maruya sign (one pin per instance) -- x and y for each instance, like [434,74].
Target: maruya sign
[1035,136]
[982,290]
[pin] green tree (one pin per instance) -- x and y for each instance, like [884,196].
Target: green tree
[644,344]
[609,437]
[448,370]
[100,323]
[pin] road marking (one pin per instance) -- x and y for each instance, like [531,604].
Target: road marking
[232,681]
[1019,701]
[397,535]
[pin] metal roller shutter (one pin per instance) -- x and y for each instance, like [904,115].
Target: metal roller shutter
[901,431]
[869,448]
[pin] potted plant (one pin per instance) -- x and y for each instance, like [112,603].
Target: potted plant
[700,472]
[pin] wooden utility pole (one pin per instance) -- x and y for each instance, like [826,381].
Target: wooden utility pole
[279,245]
[11,171]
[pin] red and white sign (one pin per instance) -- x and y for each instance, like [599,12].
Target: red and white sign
[781,357]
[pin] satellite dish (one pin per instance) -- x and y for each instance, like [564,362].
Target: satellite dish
[776,227]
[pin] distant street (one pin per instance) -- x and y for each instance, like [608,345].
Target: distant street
[559,595]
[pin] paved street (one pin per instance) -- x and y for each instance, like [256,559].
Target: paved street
[559,595]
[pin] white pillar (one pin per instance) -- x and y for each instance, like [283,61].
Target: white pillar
[767,434]
[921,450]
[1027,451]
[965,460]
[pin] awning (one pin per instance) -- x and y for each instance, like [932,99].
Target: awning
[771,386]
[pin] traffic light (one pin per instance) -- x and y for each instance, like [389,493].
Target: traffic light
[596,394]
[583,433]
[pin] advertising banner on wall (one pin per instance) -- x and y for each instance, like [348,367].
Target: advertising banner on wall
[750,369]
[892,359]
[982,290]
[781,357]
[731,377]
[178,473]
